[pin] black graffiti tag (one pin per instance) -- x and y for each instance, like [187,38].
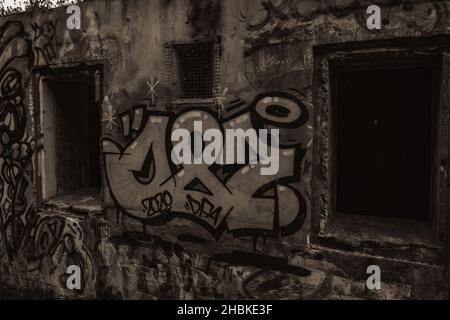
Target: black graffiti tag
[203,208]
[158,204]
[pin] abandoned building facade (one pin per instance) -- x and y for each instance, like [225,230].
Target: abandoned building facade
[87,180]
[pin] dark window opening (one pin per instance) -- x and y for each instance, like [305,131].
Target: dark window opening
[383,141]
[71,136]
[195,70]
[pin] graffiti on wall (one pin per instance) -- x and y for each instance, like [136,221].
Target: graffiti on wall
[425,16]
[46,243]
[44,41]
[15,148]
[233,198]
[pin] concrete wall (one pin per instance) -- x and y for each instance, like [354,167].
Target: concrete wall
[193,233]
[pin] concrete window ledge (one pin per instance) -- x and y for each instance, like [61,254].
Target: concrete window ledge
[87,202]
[395,238]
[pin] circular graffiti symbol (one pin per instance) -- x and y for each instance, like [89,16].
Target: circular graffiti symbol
[284,111]
[10,84]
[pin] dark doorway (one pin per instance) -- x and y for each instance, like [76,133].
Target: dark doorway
[383,140]
[71,135]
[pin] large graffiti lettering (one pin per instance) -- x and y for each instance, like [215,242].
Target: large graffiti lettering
[234,198]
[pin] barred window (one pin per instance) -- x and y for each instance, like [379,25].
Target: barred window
[193,70]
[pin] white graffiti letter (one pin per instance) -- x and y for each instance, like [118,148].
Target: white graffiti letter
[374,20]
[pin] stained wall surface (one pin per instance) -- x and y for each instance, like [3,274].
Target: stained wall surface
[164,231]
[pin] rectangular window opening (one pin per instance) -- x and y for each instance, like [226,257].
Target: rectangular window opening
[194,70]
[383,126]
[70,124]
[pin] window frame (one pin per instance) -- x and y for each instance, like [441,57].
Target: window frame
[361,62]
[56,72]
[172,96]
[326,58]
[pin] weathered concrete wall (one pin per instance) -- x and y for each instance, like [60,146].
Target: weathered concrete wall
[195,232]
